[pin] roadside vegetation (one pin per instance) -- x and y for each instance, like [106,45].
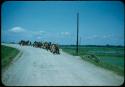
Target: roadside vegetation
[111,57]
[8,53]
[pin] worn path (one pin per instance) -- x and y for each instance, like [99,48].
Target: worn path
[40,67]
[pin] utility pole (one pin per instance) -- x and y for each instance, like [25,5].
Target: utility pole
[77,34]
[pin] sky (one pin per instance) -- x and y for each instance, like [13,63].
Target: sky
[100,22]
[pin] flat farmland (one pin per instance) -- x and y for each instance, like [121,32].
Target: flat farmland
[111,58]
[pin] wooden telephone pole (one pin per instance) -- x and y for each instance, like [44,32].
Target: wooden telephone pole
[77,34]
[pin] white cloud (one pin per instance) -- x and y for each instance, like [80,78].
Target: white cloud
[39,37]
[20,30]
[42,31]
[104,36]
[107,36]
[17,29]
[98,37]
[39,32]
[65,33]
[94,36]
[91,37]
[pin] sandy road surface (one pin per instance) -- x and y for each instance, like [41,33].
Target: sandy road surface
[40,67]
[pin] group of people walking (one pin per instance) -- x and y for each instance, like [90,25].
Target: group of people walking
[54,48]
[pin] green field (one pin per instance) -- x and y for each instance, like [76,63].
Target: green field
[111,58]
[8,53]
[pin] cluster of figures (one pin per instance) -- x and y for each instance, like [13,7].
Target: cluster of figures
[54,48]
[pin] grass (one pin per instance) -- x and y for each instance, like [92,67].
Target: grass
[8,53]
[111,58]
[117,69]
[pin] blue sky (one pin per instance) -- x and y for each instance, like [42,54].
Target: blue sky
[100,22]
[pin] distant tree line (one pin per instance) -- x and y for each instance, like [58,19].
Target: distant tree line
[107,45]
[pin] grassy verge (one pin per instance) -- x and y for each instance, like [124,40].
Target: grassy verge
[107,59]
[8,53]
[117,69]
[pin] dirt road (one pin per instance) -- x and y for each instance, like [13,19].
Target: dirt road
[40,67]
